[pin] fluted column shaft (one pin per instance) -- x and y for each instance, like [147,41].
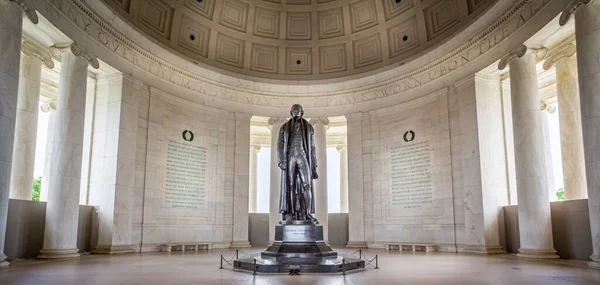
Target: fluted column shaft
[587,32]
[274,216]
[343,178]
[571,137]
[11,21]
[535,226]
[23,159]
[321,125]
[241,181]
[356,215]
[62,209]
[252,199]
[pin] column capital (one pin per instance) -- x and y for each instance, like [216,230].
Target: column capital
[354,117]
[76,49]
[570,10]
[519,52]
[340,147]
[276,121]
[563,50]
[31,47]
[544,106]
[256,147]
[322,120]
[29,11]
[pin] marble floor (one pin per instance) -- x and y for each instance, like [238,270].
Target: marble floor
[395,268]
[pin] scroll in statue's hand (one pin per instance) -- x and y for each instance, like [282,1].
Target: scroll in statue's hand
[283,165]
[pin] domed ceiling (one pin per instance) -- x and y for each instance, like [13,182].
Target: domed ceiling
[299,39]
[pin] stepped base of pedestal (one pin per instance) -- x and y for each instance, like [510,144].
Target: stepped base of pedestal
[538,253]
[594,264]
[4,264]
[107,249]
[58,253]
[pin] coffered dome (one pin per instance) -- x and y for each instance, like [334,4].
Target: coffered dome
[299,39]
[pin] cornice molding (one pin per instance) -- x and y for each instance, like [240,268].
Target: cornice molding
[77,50]
[29,11]
[570,10]
[33,48]
[565,49]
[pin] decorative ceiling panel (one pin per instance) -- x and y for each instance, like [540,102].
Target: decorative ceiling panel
[363,15]
[298,26]
[367,51]
[194,36]
[266,23]
[440,17]
[281,39]
[234,14]
[204,8]
[332,58]
[298,61]
[331,23]
[230,51]
[264,58]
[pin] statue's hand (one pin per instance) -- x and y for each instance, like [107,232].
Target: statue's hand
[315,175]
[283,165]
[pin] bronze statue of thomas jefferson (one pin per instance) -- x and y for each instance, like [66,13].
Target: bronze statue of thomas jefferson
[297,160]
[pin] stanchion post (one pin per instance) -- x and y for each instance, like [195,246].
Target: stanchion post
[221,267]
[376,262]
[344,266]
[254,273]
[237,254]
[360,254]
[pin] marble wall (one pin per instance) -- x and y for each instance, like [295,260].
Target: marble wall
[385,130]
[157,223]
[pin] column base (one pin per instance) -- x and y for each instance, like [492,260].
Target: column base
[480,249]
[108,249]
[3,262]
[357,244]
[595,263]
[58,253]
[538,253]
[240,244]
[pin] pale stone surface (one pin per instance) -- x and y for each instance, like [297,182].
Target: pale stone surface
[509,142]
[10,51]
[275,124]
[534,207]
[356,227]
[587,31]
[241,181]
[321,125]
[483,162]
[113,160]
[252,196]
[384,129]
[343,150]
[551,185]
[571,137]
[23,159]
[62,211]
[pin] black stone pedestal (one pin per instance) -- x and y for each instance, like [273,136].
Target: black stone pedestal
[299,246]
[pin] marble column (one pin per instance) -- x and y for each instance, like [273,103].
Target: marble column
[535,226]
[343,150]
[62,208]
[23,159]
[241,182]
[253,198]
[356,214]
[545,115]
[274,216]
[321,125]
[587,33]
[569,111]
[10,53]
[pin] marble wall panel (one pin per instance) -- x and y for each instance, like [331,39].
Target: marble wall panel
[383,130]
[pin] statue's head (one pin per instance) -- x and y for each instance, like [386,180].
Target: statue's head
[296,111]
